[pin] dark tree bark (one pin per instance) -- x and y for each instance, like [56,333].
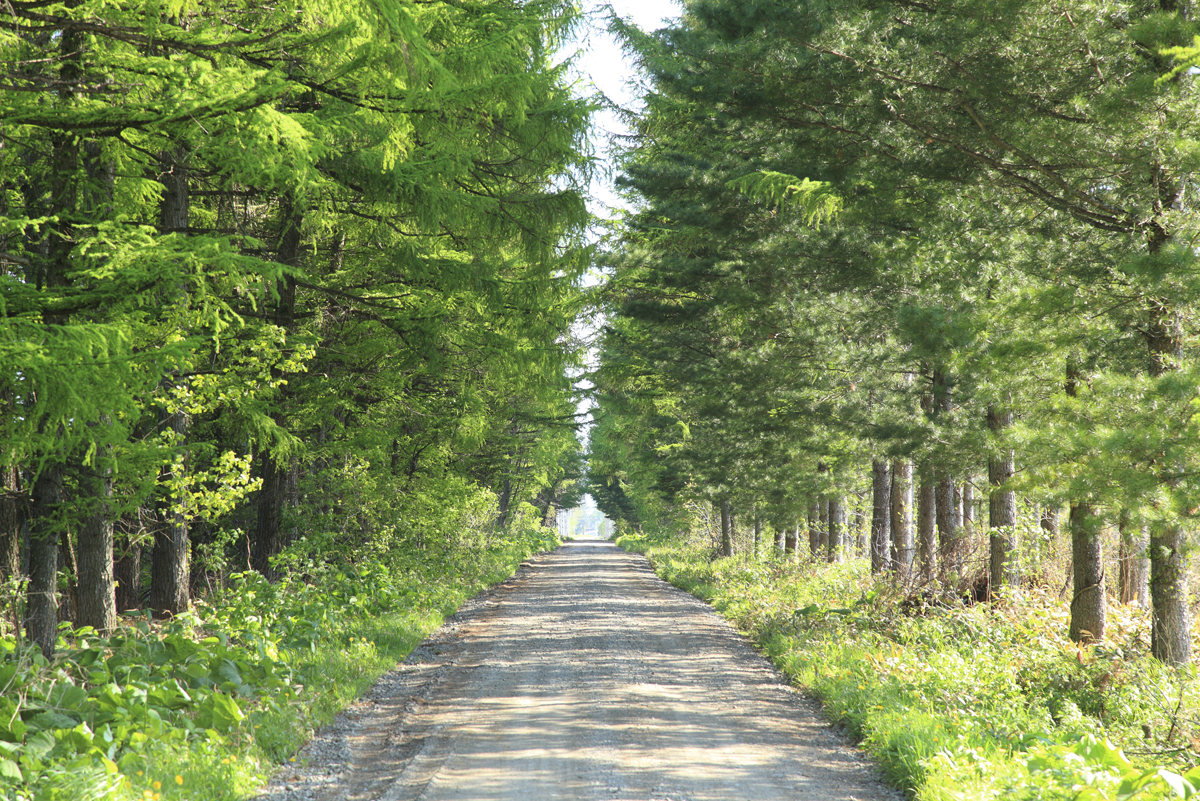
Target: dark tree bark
[881,515]
[1002,508]
[170,574]
[926,528]
[96,595]
[836,551]
[11,519]
[1171,620]
[128,567]
[1088,609]
[902,515]
[41,608]
[269,536]
[947,526]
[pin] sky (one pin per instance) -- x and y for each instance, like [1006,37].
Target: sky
[602,65]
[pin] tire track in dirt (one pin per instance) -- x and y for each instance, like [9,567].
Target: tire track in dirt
[585,676]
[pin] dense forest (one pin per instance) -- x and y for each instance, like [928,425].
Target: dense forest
[900,372]
[902,318]
[284,289]
[916,280]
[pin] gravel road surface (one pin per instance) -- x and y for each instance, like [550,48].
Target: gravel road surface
[584,676]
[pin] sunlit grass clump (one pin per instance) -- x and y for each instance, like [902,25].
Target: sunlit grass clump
[959,701]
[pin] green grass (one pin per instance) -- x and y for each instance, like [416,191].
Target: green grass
[206,706]
[958,702]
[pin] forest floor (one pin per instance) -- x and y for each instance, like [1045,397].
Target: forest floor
[584,676]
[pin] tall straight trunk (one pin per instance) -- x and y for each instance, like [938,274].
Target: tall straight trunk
[1170,619]
[41,607]
[269,537]
[814,528]
[170,590]
[822,525]
[968,507]
[837,529]
[1002,507]
[790,546]
[757,533]
[926,528]
[726,529]
[10,521]
[97,596]
[780,540]
[902,515]
[1088,610]
[947,525]
[175,209]
[1133,565]
[881,515]
[128,568]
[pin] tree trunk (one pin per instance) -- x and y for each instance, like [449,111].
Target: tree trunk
[926,529]
[169,572]
[902,515]
[968,507]
[1133,572]
[726,529]
[837,529]
[96,595]
[1002,508]
[10,522]
[41,608]
[269,537]
[780,541]
[1171,624]
[1088,602]
[128,570]
[822,525]
[881,515]
[1170,621]
[814,528]
[757,534]
[947,526]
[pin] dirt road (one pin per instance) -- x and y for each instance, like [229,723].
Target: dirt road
[583,677]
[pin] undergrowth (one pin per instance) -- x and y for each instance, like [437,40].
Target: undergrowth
[962,702]
[206,705]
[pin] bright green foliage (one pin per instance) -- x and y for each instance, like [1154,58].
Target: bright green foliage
[976,702]
[218,696]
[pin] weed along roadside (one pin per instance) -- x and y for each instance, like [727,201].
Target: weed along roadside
[954,701]
[205,705]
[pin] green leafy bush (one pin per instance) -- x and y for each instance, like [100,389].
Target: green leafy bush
[202,705]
